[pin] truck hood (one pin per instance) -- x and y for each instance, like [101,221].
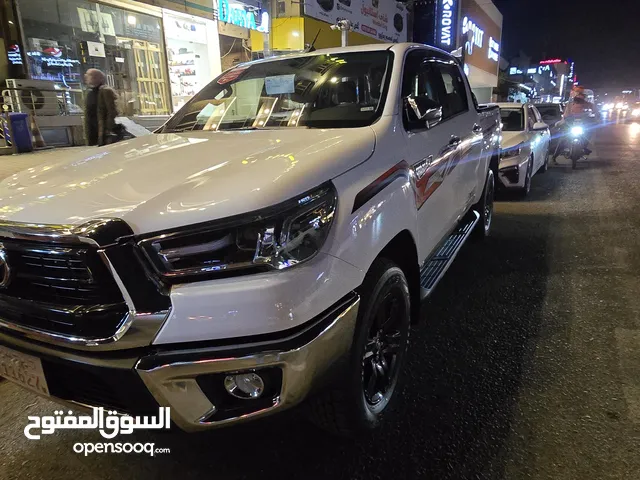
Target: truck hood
[162,181]
[511,139]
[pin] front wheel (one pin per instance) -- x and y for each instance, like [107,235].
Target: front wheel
[485,208]
[524,191]
[363,393]
[575,156]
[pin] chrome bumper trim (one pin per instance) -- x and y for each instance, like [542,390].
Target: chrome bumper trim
[140,328]
[174,385]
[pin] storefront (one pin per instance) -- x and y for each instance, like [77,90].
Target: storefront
[156,54]
[193,54]
[64,38]
[480,35]
[244,30]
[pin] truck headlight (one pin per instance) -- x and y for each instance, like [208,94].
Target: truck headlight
[511,152]
[274,238]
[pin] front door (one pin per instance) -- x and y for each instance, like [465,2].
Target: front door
[433,150]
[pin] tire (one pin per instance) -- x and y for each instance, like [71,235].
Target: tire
[545,165]
[485,208]
[356,403]
[575,156]
[524,191]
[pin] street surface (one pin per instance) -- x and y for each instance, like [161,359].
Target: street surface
[527,365]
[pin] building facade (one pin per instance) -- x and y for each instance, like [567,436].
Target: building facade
[474,28]
[156,54]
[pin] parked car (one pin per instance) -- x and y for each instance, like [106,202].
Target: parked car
[553,115]
[525,146]
[269,246]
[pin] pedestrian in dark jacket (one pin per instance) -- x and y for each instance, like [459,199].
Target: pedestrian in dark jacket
[100,109]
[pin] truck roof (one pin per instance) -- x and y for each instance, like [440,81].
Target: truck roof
[398,48]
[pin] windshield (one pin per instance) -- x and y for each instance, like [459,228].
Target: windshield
[549,111]
[326,91]
[512,119]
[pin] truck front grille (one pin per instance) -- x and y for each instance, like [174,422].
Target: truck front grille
[60,289]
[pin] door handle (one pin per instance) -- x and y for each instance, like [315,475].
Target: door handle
[477,128]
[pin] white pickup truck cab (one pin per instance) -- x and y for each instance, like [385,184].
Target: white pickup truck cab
[271,245]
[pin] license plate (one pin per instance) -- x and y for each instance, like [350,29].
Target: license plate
[24,370]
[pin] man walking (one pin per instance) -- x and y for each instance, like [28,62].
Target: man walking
[100,109]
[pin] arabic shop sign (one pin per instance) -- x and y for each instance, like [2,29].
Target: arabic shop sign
[55,61]
[238,15]
[446,19]
[13,54]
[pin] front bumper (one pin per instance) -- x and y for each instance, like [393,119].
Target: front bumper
[188,378]
[512,171]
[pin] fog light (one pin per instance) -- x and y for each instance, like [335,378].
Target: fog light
[244,385]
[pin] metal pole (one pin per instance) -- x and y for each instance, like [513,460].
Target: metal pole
[345,36]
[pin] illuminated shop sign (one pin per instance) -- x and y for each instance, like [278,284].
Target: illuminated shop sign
[446,18]
[551,61]
[477,35]
[532,70]
[494,50]
[55,61]
[14,55]
[238,15]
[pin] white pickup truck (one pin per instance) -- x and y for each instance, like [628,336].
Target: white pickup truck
[269,247]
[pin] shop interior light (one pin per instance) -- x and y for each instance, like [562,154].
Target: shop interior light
[132,20]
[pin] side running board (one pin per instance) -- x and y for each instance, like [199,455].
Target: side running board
[434,268]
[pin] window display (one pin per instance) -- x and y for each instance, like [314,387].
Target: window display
[64,38]
[193,54]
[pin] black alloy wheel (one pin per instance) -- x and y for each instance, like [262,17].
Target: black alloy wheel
[363,393]
[380,362]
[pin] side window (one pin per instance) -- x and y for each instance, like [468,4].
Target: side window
[531,118]
[421,92]
[417,78]
[455,94]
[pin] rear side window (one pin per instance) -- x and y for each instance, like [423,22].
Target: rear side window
[455,94]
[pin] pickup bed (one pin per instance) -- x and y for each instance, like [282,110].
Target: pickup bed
[269,247]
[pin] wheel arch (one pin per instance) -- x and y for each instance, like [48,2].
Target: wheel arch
[403,252]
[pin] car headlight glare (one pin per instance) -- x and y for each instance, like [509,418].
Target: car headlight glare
[271,239]
[577,131]
[511,152]
[636,112]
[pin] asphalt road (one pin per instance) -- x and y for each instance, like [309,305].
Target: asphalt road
[527,364]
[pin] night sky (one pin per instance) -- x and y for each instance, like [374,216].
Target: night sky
[601,36]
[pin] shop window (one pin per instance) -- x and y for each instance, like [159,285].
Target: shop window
[67,37]
[193,54]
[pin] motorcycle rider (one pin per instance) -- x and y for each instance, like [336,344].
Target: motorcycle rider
[578,108]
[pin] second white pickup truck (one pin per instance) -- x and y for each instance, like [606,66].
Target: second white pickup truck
[269,247]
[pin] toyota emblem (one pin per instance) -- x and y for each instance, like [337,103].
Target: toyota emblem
[5,269]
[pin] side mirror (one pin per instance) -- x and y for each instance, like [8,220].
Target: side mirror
[421,112]
[539,126]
